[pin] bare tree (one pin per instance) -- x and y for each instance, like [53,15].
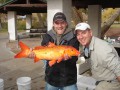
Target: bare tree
[106,25]
[0,25]
[78,15]
[41,21]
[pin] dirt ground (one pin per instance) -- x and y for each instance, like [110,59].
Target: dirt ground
[38,82]
[30,42]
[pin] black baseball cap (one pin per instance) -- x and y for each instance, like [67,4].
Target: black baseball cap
[59,16]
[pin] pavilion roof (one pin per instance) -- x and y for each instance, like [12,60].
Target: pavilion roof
[24,6]
[40,6]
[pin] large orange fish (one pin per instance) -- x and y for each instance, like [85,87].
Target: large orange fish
[50,52]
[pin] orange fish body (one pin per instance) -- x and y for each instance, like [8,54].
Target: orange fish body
[51,52]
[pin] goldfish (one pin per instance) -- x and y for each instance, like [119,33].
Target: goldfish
[53,53]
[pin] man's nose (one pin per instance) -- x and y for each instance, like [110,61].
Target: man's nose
[59,25]
[80,36]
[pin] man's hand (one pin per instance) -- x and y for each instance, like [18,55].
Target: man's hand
[31,55]
[118,78]
[66,57]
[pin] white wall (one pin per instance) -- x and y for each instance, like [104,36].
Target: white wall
[58,6]
[12,25]
[28,21]
[94,19]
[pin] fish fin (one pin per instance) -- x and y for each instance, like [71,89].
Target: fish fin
[20,54]
[52,62]
[24,51]
[23,46]
[50,44]
[60,59]
[36,59]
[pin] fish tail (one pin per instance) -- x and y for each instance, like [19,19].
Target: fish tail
[25,50]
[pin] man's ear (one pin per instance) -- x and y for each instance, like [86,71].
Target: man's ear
[91,33]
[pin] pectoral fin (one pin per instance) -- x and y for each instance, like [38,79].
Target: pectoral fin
[52,62]
[36,59]
[50,44]
[60,59]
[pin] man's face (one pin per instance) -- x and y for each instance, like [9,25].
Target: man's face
[84,37]
[60,26]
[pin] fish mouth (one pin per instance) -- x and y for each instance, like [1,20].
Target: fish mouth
[78,53]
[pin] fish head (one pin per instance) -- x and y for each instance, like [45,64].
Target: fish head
[71,51]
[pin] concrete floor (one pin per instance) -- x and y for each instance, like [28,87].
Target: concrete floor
[11,68]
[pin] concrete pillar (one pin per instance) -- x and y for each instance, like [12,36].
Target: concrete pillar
[94,19]
[12,25]
[58,6]
[28,21]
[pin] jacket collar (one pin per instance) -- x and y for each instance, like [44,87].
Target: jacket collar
[91,46]
[68,35]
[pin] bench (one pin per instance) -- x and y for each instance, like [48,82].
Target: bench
[34,32]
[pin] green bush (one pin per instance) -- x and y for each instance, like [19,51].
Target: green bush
[35,25]
[21,24]
[4,25]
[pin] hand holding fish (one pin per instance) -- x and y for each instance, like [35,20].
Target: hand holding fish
[31,54]
[118,78]
[66,57]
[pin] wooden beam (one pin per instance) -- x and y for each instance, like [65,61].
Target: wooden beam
[27,5]
[28,2]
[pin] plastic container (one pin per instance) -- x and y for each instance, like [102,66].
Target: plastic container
[24,83]
[1,84]
[86,83]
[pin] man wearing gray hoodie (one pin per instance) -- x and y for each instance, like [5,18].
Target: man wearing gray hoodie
[63,75]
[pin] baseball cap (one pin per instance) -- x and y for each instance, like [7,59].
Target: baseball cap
[82,26]
[59,16]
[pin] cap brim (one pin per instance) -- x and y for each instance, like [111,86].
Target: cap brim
[80,28]
[59,20]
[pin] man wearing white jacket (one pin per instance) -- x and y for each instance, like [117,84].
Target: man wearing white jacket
[105,62]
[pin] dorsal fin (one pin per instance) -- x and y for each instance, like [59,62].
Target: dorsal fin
[50,44]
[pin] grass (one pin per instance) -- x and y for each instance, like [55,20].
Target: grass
[115,26]
[5,31]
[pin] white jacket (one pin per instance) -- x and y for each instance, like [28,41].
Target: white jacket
[105,62]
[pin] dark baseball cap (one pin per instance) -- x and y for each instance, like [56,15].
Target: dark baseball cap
[59,16]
